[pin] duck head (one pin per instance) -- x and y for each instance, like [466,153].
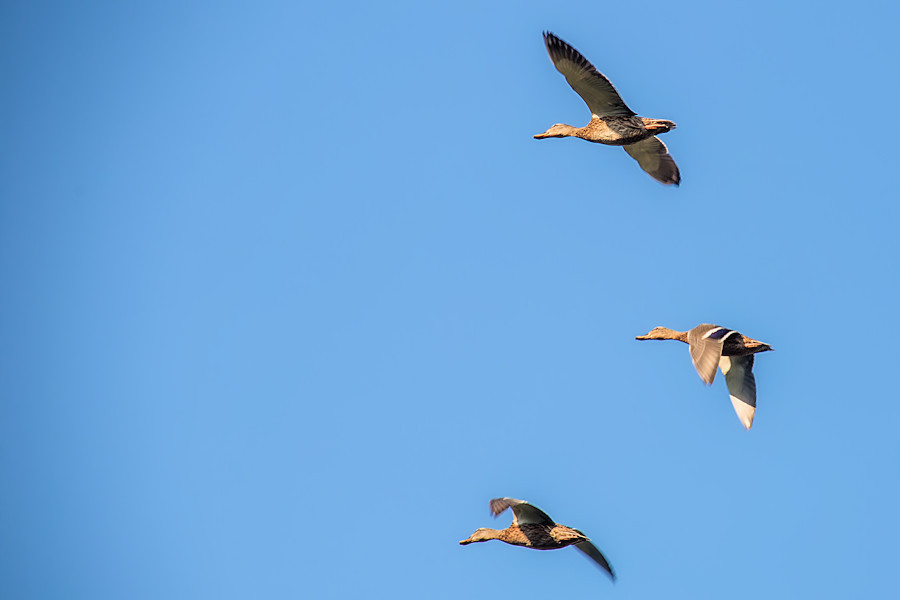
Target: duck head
[558,130]
[660,333]
[481,535]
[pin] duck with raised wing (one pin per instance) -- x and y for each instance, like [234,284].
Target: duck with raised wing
[533,528]
[713,346]
[612,122]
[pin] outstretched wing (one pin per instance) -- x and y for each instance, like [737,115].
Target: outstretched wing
[523,513]
[738,371]
[589,83]
[654,158]
[594,554]
[706,343]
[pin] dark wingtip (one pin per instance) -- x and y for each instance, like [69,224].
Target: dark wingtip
[551,38]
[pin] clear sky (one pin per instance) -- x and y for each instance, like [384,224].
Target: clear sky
[290,292]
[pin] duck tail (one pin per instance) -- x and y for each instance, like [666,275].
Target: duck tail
[658,126]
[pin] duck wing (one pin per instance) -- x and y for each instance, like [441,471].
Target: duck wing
[594,554]
[523,513]
[589,83]
[706,343]
[738,372]
[654,158]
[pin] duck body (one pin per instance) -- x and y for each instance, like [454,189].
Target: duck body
[612,130]
[733,343]
[540,536]
[741,345]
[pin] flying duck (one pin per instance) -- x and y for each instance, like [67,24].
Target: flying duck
[533,528]
[732,352]
[612,122]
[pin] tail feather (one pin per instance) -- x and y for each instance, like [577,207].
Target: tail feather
[658,126]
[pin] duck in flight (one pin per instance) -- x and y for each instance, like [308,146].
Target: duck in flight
[533,528]
[712,346]
[612,122]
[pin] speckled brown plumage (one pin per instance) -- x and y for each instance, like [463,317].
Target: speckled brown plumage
[612,131]
[533,535]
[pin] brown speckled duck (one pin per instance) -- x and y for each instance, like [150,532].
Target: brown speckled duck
[533,528]
[713,346]
[612,122]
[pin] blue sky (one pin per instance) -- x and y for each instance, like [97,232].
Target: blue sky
[290,293]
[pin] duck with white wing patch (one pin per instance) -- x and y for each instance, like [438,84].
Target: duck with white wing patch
[713,346]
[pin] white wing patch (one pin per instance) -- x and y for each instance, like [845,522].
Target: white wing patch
[745,412]
[738,372]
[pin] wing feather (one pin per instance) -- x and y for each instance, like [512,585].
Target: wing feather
[591,551]
[523,513]
[738,371]
[654,158]
[589,83]
[706,348]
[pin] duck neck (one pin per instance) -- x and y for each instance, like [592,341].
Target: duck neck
[561,130]
[485,534]
[571,131]
[513,535]
[670,334]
